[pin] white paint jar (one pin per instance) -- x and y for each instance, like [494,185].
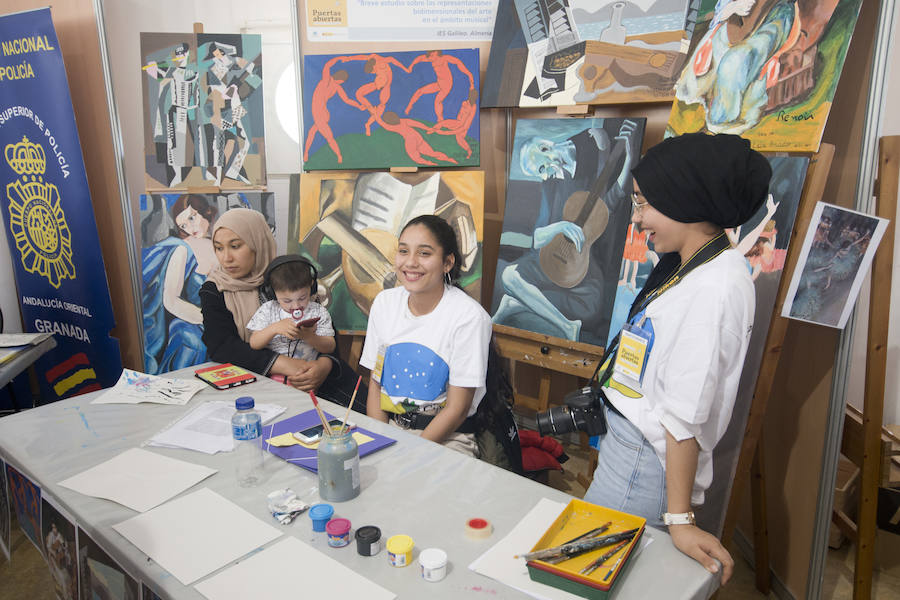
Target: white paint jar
[433,562]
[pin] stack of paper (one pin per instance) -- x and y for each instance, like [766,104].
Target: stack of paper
[207,428]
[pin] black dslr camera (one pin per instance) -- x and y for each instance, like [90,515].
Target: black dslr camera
[582,410]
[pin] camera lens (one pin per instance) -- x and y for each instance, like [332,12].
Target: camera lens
[558,420]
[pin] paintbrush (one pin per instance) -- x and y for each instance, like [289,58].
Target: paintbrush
[602,559]
[579,547]
[349,406]
[320,413]
[591,533]
[615,565]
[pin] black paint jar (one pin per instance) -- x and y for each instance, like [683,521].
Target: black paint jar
[368,540]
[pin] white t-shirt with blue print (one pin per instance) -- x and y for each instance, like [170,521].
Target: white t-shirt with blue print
[415,358]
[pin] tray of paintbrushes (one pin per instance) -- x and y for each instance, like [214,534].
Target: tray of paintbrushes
[586,549]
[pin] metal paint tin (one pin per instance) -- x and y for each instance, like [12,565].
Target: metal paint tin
[368,540]
[433,562]
[338,531]
[400,549]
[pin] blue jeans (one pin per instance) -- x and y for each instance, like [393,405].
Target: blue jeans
[629,476]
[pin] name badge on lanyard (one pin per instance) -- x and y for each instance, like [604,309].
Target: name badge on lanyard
[635,343]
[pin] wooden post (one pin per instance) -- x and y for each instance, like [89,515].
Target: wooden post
[816,176]
[876,365]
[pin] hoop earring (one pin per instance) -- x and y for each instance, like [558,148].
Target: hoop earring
[447,278]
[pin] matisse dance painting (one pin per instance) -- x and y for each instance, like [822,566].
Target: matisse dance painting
[391,109]
[587,51]
[176,256]
[203,110]
[348,224]
[764,69]
[568,207]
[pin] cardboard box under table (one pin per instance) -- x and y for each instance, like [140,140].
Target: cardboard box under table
[577,518]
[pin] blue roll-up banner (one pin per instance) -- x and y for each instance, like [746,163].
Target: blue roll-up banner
[60,276]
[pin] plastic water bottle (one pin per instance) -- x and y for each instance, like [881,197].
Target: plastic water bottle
[246,426]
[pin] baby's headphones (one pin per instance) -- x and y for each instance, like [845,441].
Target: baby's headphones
[284,259]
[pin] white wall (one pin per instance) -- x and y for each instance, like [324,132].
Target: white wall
[856,385]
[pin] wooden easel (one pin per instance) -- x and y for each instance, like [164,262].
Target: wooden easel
[870,451]
[750,459]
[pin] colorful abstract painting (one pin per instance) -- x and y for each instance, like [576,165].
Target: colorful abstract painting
[587,51]
[348,224]
[391,109]
[568,206]
[101,576]
[176,256]
[203,110]
[26,499]
[60,549]
[765,69]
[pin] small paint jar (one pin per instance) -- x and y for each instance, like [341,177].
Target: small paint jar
[368,540]
[320,515]
[400,549]
[338,531]
[433,562]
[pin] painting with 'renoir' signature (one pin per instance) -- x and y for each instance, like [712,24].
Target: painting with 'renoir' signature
[391,109]
[568,206]
[587,51]
[764,69]
[348,224]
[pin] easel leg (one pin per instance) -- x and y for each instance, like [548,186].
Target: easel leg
[760,521]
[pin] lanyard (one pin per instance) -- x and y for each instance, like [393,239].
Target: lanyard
[706,253]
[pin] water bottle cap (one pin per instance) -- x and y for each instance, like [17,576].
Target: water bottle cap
[244,402]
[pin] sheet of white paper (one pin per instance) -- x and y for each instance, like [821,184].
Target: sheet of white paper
[194,535]
[498,562]
[207,428]
[22,339]
[273,574]
[134,387]
[138,479]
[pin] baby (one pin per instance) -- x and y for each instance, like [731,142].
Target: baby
[291,324]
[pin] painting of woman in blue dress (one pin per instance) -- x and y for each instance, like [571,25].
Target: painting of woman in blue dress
[172,273]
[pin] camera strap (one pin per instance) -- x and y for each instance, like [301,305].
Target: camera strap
[664,277]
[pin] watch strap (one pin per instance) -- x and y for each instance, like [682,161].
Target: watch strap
[685,518]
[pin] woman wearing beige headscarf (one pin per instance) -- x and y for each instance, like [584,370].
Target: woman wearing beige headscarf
[244,246]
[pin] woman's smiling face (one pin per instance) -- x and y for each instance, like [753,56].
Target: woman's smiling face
[235,256]
[420,261]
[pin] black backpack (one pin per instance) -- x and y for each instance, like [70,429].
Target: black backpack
[497,434]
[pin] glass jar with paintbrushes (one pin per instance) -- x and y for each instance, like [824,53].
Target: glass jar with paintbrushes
[337,457]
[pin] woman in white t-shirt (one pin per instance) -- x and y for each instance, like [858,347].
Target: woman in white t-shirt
[427,341]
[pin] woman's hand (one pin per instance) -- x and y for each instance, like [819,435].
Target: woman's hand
[702,547]
[310,374]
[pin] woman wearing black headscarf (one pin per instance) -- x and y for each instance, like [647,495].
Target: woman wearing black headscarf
[671,385]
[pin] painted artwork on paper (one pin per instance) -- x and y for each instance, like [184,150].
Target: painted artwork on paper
[348,224]
[765,69]
[60,550]
[587,51]
[26,499]
[837,252]
[101,576]
[568,206]
[203,110]
[391,109]
[176,256]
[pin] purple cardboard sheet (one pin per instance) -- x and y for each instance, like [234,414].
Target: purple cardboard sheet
[305,457]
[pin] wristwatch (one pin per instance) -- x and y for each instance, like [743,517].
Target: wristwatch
[686,518]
